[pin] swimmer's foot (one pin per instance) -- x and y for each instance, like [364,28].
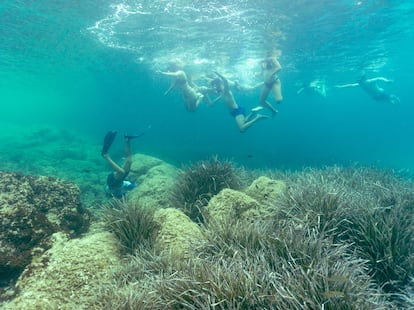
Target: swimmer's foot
[274,112]
[262,116]
[257,109]
[199,99]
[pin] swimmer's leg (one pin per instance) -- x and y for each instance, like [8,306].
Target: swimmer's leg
[243,124]
[199,99]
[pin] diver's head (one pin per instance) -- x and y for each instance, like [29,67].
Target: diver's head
[175,65]
[217,84]
[274,53]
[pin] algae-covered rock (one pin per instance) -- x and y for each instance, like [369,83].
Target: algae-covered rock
[266,190]
[69,274]
[32,208]
[142,163]
[178,235]
[231,204]
[155,180]
[257,201]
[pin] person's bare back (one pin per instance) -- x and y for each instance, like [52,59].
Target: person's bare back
[192,97]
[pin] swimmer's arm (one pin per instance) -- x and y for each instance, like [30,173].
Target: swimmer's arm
[225,82]
[172,86]
[277,67]
[115,167]
[250,88]
[205,90]
[300,90]
[381,79]
[208,100]
[192,84]
[274,70]
[258,85]
[215,100]
[169,73]
[347,85]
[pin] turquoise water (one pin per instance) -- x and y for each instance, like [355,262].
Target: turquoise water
[90,66]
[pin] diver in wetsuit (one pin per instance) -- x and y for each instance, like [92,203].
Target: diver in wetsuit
[116,185]
[270,69]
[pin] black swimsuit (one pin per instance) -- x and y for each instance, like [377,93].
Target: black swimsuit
[272,81]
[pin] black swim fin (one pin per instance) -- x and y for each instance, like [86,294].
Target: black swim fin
[108,140]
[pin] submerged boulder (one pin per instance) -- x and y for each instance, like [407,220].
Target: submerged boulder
[266,190]
[32,208]
[155,180]
[230,204]
[178,235]
[256,201]
[69,274]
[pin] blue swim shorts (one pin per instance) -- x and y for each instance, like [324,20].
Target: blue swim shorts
[239,111]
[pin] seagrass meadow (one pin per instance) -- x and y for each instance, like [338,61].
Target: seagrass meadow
[333,238]
[270,143]
[214,235]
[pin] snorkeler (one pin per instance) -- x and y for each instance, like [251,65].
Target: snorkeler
[116,185]
[371,87]
[234,85]
[315,86]
[270,69]
[192,96]
[222,88]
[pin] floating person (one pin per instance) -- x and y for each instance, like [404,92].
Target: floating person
[191,95]
[215,84]
[116,185]
[222,87]
[270,69]
[372,88]
[314,87]
[234,85]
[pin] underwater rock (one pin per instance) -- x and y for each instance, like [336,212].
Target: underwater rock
[178,235]
[155,180]
[69,274]
[230,204]
[32,208]
[256,201]
[266,190]
[142,163]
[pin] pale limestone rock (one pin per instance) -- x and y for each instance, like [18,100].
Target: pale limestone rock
[231,204]
[69,274]
[178,235]
[257,201]
[32,209]
[155,180]
[142,163]
[266,190]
